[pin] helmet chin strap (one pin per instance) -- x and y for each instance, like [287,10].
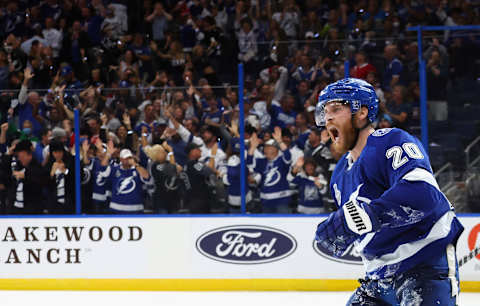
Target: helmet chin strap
[357,131]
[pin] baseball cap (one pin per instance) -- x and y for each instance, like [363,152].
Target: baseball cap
[125,153]
[271,142]
[58,132]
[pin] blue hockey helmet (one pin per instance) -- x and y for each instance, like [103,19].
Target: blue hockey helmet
[355,92]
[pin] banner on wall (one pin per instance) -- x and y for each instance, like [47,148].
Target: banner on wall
[186,248]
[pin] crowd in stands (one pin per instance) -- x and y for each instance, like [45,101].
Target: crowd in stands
[155,83]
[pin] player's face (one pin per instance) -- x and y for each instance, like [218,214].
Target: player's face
[338,119]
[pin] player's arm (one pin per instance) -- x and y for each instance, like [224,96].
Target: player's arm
[412,196]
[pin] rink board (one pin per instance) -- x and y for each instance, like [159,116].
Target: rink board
[185,253]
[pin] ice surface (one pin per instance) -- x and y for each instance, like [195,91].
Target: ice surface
[135,298]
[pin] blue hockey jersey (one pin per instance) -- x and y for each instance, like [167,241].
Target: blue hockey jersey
[310,195]
[274,187]
[232,180]
[100,184]
[394,177]
[127,192]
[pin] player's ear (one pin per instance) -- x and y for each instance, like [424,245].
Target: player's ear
[362,114]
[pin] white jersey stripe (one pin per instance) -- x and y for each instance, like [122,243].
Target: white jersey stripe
[440,230]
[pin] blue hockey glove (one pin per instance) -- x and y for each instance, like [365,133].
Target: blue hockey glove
[344,226]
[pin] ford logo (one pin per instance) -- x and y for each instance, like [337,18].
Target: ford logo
[350,256]
[246,244]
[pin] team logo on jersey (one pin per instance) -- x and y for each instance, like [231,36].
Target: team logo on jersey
[246,244]
[311,193]
[351,256]
[272,177]
[171,183]
[381,132]
[126,185]
[338,194]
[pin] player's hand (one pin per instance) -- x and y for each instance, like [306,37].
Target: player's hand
[345,226]
[333,235]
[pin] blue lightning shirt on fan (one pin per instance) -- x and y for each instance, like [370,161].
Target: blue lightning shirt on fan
[394,178]
[274,187]
[127,192]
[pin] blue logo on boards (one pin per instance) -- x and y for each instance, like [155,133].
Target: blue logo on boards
[246,244]
[350,256]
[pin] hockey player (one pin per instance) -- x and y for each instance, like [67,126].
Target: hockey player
[389,203]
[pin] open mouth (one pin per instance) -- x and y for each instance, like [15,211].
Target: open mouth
[334,133]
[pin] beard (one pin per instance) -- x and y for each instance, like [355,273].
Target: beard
[347,138]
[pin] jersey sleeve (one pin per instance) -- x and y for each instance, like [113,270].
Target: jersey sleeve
[411,193]
[397,153]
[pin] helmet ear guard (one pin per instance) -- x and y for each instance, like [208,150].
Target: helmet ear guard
[355,92]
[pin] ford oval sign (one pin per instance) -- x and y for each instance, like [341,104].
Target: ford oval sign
[350,256]
[246,244]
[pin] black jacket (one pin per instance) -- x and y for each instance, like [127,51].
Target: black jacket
[36,178]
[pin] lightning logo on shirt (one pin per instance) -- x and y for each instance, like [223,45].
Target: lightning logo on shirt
[126,185]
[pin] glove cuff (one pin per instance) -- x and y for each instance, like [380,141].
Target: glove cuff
[359,218]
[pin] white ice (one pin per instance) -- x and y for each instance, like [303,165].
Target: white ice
[135,298]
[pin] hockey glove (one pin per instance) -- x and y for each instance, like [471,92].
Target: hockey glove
[346,225]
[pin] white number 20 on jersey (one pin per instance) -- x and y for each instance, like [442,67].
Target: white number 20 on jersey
[396,153]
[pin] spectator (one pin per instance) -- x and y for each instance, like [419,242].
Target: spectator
[211,154]
[283,114]
[277,76]
[312,186]
[92,24]
[26,180]
[362,67]
[397,108]
[295,152]
[393,69]
[232,179]
[303,93]
[247,45]
[197,180]
[62,180]
[30,106]
[164,171]
[437,73]
[126,181]
[53,36]
[321,149]
[302,130]
[304,72]
[273,167]
[159,19]
[385,122]
[288,19]
[40,145]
